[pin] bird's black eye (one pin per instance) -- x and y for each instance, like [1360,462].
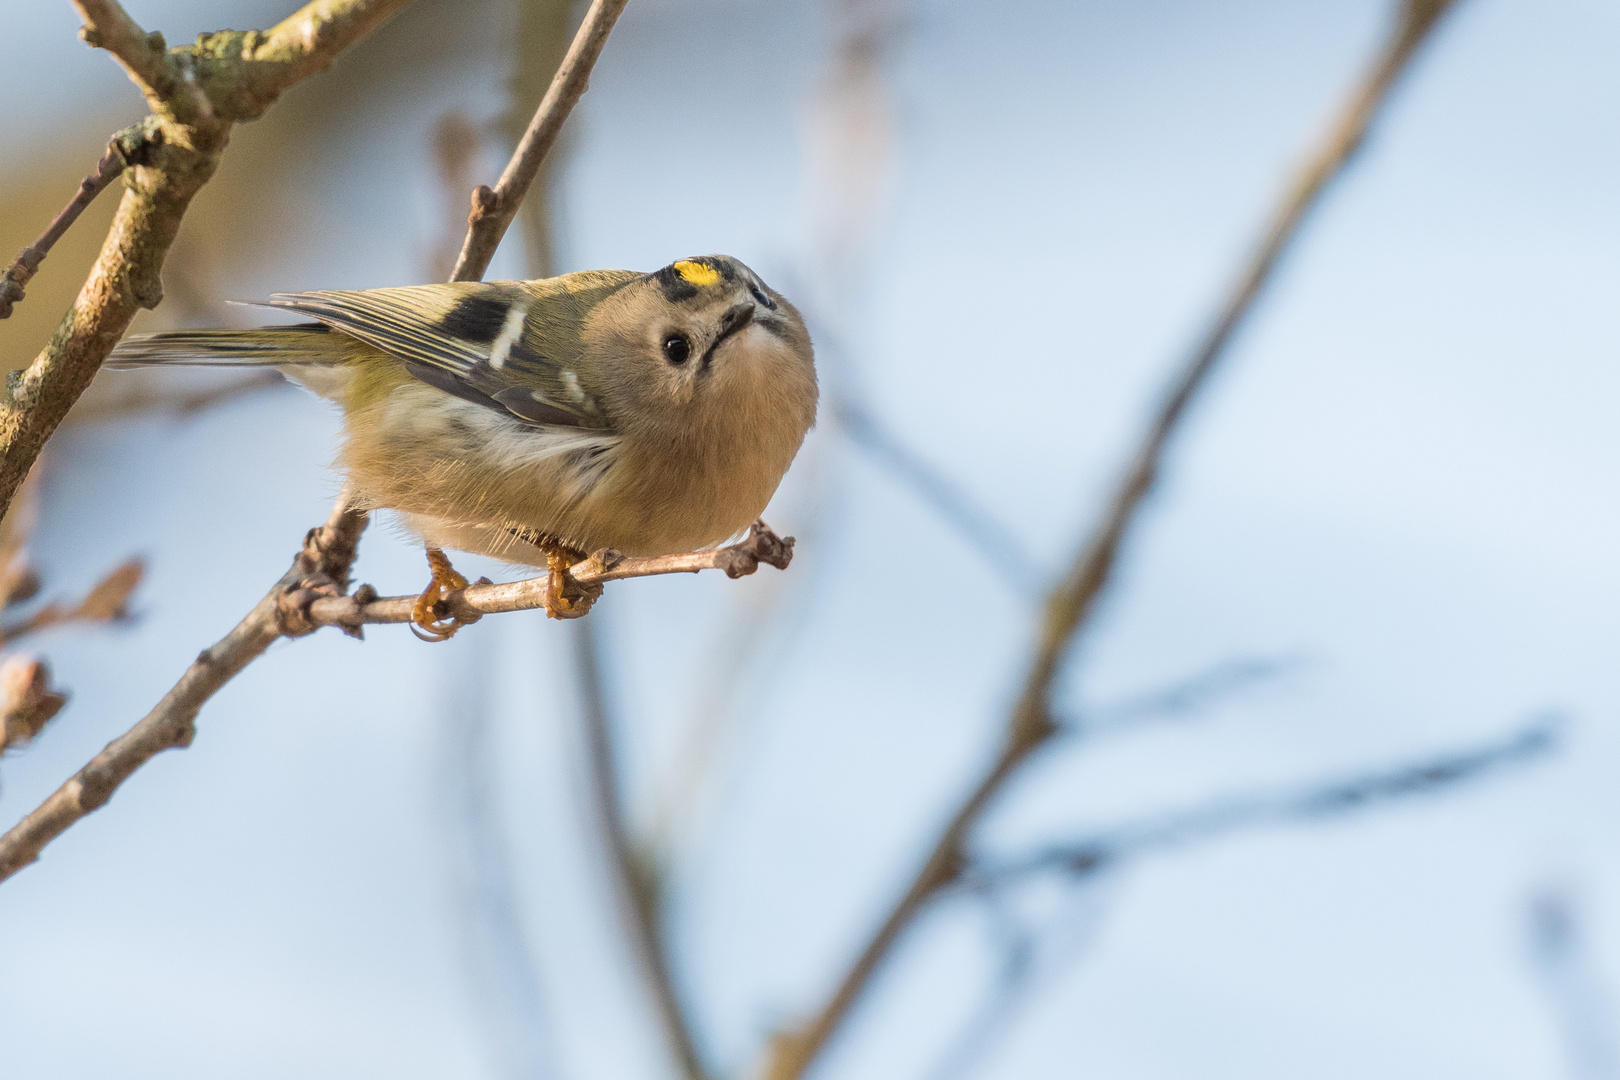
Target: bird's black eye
[760,296]
[677,348]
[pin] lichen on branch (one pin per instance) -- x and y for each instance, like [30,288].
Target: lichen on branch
[196,93]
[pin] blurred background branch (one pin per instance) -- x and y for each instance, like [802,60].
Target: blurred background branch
[1308,803]
[1068,606]
[1002,550]
[1561,954]
[1028,953]
[638,879]
[493,923]
[1186,698]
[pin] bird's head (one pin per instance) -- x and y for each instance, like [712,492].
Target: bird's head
[702,342]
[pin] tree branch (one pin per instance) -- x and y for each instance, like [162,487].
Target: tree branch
[108,26]
[1184,697]
[1070,605]
[493,211]
[197,92]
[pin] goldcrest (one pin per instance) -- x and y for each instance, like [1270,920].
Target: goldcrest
[652,413]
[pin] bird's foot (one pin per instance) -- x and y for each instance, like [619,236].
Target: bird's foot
[431,618]
[565,597]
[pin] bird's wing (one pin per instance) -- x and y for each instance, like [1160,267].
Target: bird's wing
[510,346]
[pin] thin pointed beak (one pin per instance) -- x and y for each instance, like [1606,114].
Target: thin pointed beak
[736,317]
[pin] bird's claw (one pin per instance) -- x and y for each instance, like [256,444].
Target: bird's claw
[566,598]
[432,618]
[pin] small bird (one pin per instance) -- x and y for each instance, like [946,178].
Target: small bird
[536,421]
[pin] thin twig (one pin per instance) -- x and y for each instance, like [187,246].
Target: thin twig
[474,602]
[1085,862]
[637,879]
[999,546]
[26,264]
[108,26]
[493,210]
[321,567]
[540,41]
[1191,695]
[1309,803]
[1069,606]
[197,93]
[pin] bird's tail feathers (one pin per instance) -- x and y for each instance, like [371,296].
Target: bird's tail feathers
[268,346]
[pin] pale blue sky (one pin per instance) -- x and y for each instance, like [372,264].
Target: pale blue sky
[1405,475]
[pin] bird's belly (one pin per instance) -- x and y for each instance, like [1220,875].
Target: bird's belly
[467,479]
[646,523]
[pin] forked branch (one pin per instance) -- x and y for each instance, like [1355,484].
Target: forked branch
[196,92]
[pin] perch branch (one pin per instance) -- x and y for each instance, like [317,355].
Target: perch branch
[197,92]
[308,596]
[493,210]
[474,602]
[1070,604]
[321,567]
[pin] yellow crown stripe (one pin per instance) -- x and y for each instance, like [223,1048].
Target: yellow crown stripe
[696,273]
